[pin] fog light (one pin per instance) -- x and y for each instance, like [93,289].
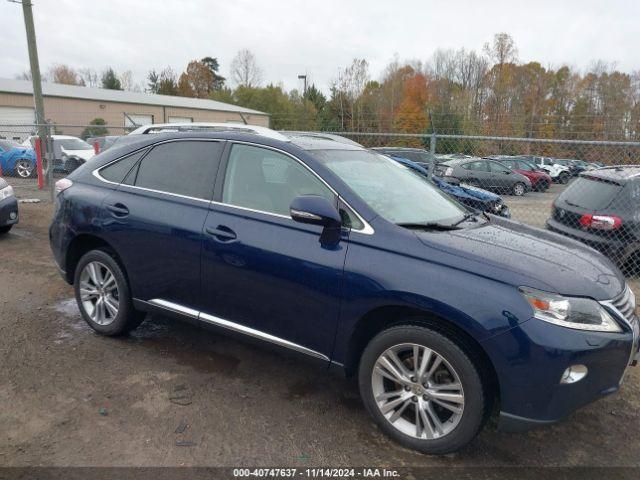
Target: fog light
[574,374]
[13,215]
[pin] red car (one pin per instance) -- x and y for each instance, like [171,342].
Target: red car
[540,180]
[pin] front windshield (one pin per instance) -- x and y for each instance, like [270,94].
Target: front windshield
[394,191]
[73,144]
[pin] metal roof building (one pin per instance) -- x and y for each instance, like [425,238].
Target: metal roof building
[69,107]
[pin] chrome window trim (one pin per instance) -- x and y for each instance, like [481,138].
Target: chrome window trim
[236,327]
[366,230]
[96,172]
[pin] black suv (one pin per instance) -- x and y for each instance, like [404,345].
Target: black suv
[600,208]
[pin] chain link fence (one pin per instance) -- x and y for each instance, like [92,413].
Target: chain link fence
[588,191]
[585,190]
[33,164]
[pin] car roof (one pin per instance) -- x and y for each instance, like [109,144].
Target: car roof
[65,137]
[620,173]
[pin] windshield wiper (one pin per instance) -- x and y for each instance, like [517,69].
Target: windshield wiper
[467,216]
[427,226]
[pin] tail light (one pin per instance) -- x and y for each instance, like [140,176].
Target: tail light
[62,185]
[601,222]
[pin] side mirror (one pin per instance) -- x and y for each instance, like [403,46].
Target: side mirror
[317,210]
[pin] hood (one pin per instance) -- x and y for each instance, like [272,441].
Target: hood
[83,154]
[521,255]
[23,153]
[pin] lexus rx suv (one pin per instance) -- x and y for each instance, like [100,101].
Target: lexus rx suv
[344,256]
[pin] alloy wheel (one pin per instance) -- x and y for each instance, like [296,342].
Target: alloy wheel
[418,391]
[23,168]
[99,293]
[518,189]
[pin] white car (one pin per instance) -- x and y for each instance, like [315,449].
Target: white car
[69,152]
[558,173]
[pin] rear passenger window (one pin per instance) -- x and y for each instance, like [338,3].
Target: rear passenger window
[184,168]
[118,170]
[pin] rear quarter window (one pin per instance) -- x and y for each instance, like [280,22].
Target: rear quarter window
[119,169]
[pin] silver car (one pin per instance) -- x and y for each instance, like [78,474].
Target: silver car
[487,174]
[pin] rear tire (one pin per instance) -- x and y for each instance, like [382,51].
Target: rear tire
[103,294]
[410,413]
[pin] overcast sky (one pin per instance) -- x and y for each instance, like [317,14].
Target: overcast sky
[315,37]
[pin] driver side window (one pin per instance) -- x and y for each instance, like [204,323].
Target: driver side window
[265,180]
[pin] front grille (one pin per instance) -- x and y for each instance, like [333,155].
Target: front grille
[625,303]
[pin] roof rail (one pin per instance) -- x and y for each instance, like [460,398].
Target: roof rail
[215,127]
[321,135]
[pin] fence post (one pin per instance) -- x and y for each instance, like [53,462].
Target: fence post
[38,145]
[50,156]
[432,156]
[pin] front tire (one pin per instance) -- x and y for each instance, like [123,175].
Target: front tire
[103,294]
[422,389]
[5,229]
[563,178]
[24,168]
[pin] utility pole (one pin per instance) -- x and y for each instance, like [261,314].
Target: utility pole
[37,87]
[35,66]
[303,77]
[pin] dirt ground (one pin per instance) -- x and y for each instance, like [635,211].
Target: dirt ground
[174,394]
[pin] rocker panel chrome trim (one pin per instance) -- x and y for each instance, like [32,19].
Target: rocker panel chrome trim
[236,327]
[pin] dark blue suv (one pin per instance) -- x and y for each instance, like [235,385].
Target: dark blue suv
[343,255]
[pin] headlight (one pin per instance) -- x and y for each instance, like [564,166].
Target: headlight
[570,312]
[6,192]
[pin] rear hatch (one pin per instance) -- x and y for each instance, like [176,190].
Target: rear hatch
[589,196]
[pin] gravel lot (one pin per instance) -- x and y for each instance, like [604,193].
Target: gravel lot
[174,394]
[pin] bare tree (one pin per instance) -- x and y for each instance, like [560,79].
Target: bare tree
[126,80]
[245,70]
[89,76]
[26,75]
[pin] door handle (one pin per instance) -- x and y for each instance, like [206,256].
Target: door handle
[118,210]
[222,233]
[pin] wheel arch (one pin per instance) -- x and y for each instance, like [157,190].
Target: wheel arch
[83,243]
[383,317]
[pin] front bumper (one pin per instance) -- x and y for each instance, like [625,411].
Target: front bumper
[9,212]
[531,358]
